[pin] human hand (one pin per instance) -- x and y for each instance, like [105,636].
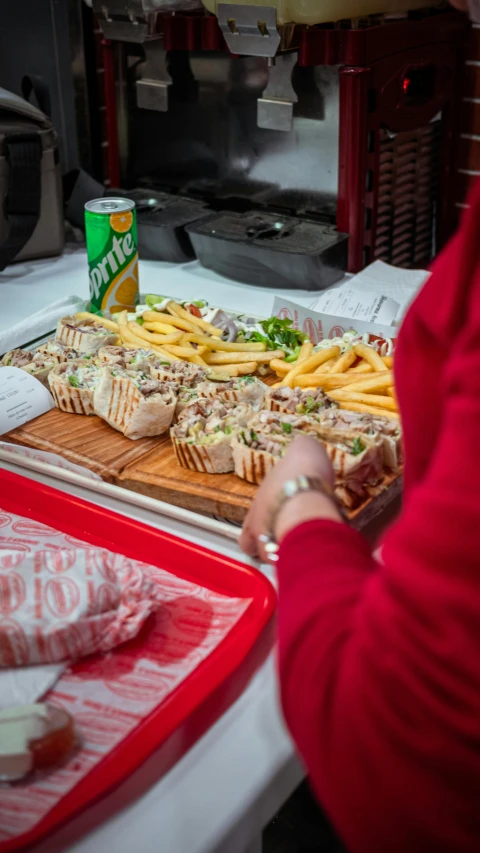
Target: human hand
[307,457]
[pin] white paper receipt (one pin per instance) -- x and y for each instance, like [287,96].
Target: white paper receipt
[368,306]
[22,398]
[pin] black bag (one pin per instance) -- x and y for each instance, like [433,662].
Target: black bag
[31,218]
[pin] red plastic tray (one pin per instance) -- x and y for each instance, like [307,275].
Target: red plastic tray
[106,529]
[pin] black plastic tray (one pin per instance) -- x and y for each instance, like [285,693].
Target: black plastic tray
[161,221]
[271,250]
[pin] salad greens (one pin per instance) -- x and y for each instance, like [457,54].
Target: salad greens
[73,380]
[287,428]
[357,446]
[152,298]
[279,334]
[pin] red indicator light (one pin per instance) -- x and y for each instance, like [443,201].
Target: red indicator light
[406,85]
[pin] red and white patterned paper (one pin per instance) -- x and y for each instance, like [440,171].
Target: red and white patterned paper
[109,695]
[61,599]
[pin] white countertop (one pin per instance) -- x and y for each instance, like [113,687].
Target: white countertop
[26,288]
[230,784]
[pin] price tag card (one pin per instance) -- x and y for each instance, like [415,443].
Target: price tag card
[22,398]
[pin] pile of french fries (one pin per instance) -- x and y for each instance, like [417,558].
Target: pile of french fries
[358,379]
[178,335]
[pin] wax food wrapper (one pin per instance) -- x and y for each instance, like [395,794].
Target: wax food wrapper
[61,599]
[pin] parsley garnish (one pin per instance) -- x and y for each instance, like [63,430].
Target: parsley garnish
[310,404]
[73,381]
[228,430]
[253,435]
[279,334]
[287,428]
[217,429]
[357,446]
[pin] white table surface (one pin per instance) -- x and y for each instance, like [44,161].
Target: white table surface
[26,288]
[230,784]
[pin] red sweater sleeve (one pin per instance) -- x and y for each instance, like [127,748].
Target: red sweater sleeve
[380,665]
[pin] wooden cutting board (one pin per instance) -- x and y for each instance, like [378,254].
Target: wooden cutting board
[88,441]
[158,475]
[149,466]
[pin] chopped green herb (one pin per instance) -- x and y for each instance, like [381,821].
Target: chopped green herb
[311,404]
[73,380]
[139,320]
[357,446]
[247,380]
[253,435]
[132,361]
[9,361]
[287,428]
[114,373]
[242,436]
[228,430]
[217,429]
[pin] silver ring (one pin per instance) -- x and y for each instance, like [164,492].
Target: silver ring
[270,546]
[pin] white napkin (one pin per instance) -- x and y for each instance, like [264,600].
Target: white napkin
[23,685]
[39,324]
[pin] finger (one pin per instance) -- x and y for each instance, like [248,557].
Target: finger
[248,541]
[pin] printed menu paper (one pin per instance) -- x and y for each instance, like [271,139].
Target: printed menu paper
[22,398]
[318,325]
[357,305]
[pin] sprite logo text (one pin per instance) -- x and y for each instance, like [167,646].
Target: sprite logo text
[114,259]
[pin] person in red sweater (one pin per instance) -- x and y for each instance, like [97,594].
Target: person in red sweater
[380,662]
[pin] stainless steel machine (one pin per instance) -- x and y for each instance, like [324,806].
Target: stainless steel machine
[276,110]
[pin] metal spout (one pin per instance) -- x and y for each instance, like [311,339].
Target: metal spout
[275,107]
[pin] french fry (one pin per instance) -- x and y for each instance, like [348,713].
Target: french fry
[198,360]
[224,346]
[305,352]
[161,328]
[344,362]
[344,395]
[170,320]
[327,366]
[128,337]
[388,361]
[310,364]
[151,337]
[378,382]
[229,370]
[362,367]
[183,352]
[369,410]
[258,357]
[177,311]
[122,318]
[280,367]
[328,381]
[109,324]
[391,393]
[370,355]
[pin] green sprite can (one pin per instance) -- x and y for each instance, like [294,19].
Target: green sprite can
[112,250]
